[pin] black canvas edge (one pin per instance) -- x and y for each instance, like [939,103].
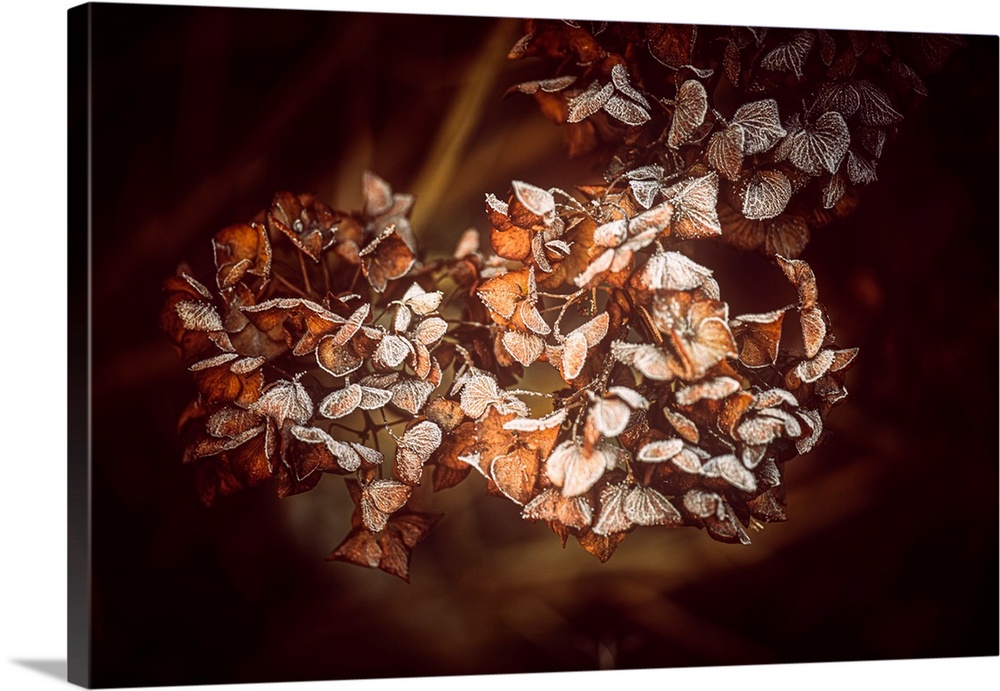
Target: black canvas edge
[78,603]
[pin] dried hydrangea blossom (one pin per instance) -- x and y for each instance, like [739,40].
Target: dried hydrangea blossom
[329,344]
[813,111]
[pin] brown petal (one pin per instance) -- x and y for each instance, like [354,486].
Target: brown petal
[341,402]
[525,347]
[515,474]
[646,506]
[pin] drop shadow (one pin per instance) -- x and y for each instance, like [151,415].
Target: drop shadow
[51,668]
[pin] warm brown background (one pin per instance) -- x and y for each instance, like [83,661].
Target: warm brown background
[892,547]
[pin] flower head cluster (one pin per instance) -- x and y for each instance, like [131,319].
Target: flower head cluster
[326,343]
[792,122]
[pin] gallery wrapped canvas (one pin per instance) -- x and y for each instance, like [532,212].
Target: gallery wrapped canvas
[425,345]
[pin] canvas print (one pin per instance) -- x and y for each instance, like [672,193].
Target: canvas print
[430,345]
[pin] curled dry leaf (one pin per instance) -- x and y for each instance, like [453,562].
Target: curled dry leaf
[758,337]
[241,249]
[386,258]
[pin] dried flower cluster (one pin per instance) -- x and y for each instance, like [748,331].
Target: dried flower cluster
[786,124]
[326,343]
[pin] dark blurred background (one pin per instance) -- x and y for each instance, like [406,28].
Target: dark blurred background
[891,550]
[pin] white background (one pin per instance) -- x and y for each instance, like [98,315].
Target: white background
[33,456]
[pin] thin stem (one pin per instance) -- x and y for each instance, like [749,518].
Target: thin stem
[562,312]
[283,281]
[305,274]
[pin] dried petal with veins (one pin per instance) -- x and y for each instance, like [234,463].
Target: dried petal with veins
[612,518]
[532,319]
[240,249]
[689,112]
[553,419]
[609,416]
[704,504]
[551,505]
[373,398]
[875,108]
[685,427]
[231,421]
[346,457]
[501,294]
[709,389]
[537,201]
[480,391]
[392,350]
[525,347]
[413,450]
[652,362]
[199,316]
[698,330]
[690,459]
[545,85]
[766,194]
[213,361]
[771,398]
[379,500]
[635,400]
[619,77]
[386,258]
[790,56]
[410,394]
[760,431]
[571,355]
[515,473]
[833,191]
[337,360]
[819,146]
[812,369]
[341,402]
[589,101]
[800,275]
[430,330]
[646,506]
[725,151]
[285,400]
[694,212]
[575,470]
[860,171]
[813,329]
[420,301]
[791,423]
[626,110]
[760,125]
[659,451]
[730,469]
